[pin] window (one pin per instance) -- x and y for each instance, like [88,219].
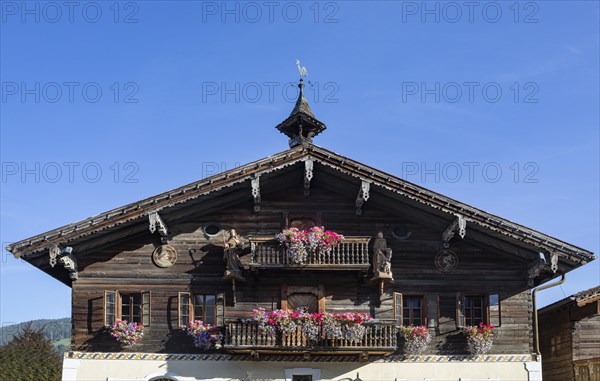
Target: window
[416,309]
[474,310]
[197,307]
[412,310]
[302,374]
[130,306]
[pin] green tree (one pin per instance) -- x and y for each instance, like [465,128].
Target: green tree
[30,356]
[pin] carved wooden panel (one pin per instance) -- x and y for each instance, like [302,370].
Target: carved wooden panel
[312,298]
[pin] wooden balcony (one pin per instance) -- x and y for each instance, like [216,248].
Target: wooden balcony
[351,254]
[243,336]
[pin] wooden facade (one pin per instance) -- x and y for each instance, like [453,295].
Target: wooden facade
[451,264]
[570,338]
[127,267]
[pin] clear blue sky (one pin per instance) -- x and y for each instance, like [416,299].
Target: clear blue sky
[421,90]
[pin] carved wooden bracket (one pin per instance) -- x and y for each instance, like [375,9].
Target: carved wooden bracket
[554,262]
[460,225]
[65,257]
[363,196]
[69,261]
[255,182]
[308,175]
[53,253]
[156,223]
[536,267]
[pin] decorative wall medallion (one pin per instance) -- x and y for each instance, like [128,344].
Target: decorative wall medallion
[164,256]
[446,260]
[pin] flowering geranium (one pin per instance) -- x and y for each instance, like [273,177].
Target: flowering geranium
[336,326]
[479,338]
[127,333]
[301,243]
[416,339]
[205,336]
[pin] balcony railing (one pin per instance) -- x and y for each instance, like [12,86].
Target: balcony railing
[351,254]
[244,336]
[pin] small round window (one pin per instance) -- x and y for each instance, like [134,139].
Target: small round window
[212,229]
[401,232]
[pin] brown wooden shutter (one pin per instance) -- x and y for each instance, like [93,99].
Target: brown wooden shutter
[110,307]
[146,308]
[460,310]
[493,310]
[321,299]
[432,314]
[220,308]
[183,309]
[398,308]
[284,303]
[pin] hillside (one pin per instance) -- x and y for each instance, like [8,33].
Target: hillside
[57,330]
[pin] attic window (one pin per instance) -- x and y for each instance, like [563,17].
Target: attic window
[212,230]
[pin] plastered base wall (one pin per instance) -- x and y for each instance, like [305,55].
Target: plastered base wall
[187,370]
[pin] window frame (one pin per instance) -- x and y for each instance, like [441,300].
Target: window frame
[422,309]
[428,300]
[145,306]
[488,316]
[484,317]
[191,307]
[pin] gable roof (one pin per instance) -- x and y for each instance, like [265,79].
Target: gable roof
[580,299]
[241,176]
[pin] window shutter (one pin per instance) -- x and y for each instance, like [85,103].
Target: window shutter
[220,307]
[110,307]
[432,310]
[146,308]
[460,310]
[398,308]
[284,295]
[192,309]
[494,310]
[183,309]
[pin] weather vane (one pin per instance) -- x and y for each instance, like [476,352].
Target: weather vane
[301,69]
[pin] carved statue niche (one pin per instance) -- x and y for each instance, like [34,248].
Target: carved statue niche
[382,259]
[232,248]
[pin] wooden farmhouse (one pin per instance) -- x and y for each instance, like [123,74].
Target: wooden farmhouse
[570,338]
[280,299]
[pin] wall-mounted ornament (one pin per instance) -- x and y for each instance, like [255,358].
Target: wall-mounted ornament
[446,260]
[164,256]
[382,262]
[232,249]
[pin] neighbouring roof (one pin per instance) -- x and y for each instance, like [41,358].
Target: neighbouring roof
[141,209]
[581,298]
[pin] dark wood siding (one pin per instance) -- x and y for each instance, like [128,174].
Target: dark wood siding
[127,266]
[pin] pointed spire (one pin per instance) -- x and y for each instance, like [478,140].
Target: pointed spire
[302,125]
[302,103]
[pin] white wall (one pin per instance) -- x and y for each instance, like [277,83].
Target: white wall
[192,370]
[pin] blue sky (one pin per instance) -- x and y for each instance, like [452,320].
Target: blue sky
[495,104]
